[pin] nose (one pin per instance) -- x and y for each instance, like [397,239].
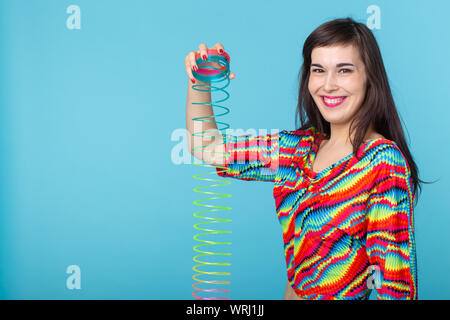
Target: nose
[330,82]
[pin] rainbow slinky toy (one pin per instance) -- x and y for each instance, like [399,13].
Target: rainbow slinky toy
[206,271]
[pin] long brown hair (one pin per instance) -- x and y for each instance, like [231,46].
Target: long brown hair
[378,106]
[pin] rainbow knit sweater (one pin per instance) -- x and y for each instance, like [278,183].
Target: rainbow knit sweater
[347,229]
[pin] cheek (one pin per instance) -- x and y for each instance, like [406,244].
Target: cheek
[312,85]
[355,86]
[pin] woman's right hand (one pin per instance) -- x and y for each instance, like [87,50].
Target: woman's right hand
[202,49]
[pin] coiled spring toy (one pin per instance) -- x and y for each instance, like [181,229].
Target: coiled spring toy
[205,277]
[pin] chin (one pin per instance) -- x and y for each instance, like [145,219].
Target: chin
[337,120]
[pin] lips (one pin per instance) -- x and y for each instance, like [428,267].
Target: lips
[333,101]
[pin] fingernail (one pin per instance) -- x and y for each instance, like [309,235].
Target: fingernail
[204,57]
[220,51]
[193,81]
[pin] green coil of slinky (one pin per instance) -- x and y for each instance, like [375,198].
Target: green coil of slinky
[209,280]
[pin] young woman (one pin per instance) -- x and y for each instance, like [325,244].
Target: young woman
[344,181]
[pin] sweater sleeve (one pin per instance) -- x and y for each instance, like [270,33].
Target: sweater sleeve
[251,157]
[390,242]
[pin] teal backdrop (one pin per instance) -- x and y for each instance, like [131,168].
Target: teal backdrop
[87,120]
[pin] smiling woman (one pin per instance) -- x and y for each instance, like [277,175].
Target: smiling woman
[344,195]
[346,180]
[345,95]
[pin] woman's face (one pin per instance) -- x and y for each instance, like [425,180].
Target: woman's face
[338,73]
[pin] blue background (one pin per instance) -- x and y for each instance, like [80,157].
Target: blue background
[86,122]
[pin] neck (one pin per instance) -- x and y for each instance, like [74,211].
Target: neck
[339,134]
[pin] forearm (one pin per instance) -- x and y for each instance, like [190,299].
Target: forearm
[196,139]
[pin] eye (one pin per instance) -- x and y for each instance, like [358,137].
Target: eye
[314,70]
[348,70]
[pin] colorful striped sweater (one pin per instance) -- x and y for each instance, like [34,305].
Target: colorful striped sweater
[347,229]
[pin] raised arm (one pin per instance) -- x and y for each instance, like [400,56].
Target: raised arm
[208,146]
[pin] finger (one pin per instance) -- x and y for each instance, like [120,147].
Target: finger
[219,47]
[203,51]
[232,75]
[192,62]
[189,70]
[189,73]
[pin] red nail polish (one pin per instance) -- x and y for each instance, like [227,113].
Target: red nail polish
[204,57]
[220,51]
[193,81]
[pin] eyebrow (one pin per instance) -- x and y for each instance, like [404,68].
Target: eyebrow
[338,65]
